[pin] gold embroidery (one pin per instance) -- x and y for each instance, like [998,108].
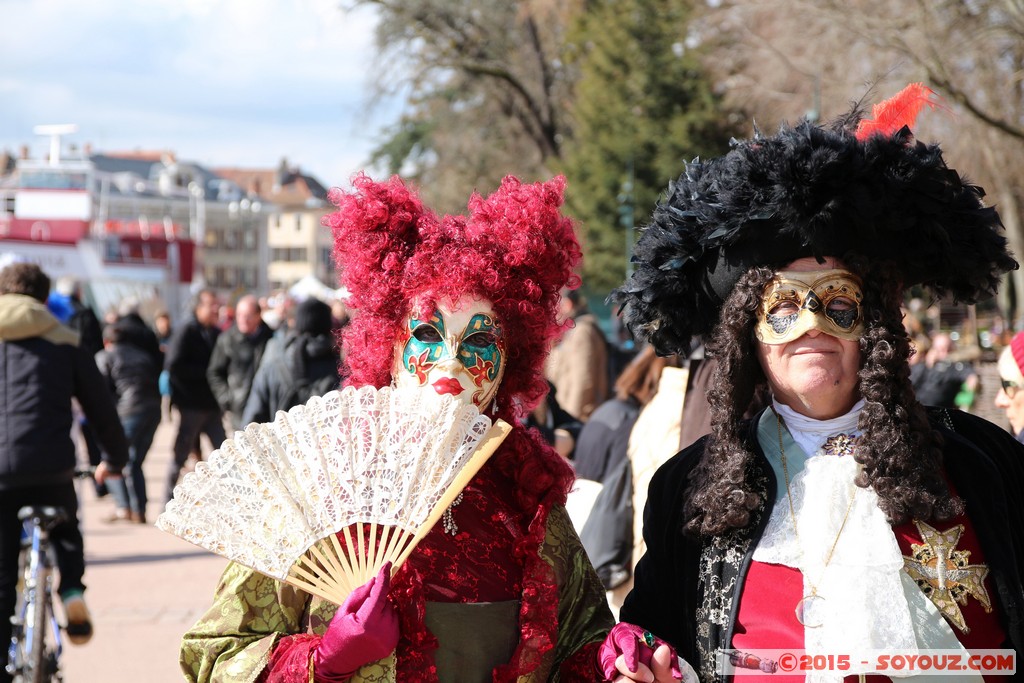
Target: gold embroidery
[840,444]
[377,672]
[945,573]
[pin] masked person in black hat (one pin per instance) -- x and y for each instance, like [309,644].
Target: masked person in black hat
[845,517]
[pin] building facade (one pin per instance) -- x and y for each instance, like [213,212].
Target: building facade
[148,225]
[297,244]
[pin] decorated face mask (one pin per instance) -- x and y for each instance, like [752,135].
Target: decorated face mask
[796,302]
[457,350]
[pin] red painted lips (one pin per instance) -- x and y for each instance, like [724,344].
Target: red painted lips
[448,385]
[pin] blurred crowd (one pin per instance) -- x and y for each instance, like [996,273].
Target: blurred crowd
[70,382]
[218,369]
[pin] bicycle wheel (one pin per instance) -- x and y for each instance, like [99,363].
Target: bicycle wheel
[17,648]
[35,665]
[20,661]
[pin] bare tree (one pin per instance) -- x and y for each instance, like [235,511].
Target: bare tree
[781,59]
[485,90]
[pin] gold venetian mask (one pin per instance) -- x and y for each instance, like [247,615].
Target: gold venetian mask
[795,302]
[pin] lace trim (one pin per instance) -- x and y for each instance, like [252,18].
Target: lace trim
[720,564]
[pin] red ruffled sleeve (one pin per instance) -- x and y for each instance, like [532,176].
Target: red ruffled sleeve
[289,659]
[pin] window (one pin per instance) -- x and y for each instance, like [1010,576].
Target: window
[53,180]
[289,254]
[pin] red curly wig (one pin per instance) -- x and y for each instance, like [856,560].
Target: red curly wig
[514,248]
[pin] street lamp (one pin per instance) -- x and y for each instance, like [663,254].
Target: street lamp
[627,201]
[248,212]
[197,231]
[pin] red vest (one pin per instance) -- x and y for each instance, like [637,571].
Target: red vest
[766,617]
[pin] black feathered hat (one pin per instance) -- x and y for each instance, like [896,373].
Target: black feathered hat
[815,191]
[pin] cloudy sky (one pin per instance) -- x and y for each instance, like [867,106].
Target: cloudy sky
[219,82]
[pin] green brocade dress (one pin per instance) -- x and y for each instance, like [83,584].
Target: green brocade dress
[233,641]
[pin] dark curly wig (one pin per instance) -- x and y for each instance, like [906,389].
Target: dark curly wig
[514,248]
[899,450]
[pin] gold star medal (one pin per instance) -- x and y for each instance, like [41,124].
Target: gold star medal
[945,574]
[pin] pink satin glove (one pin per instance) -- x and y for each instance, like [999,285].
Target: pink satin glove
[644,656]
[363,630]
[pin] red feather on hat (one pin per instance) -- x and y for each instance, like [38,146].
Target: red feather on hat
[900,110]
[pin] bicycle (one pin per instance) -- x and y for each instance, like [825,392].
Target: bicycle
[36,642]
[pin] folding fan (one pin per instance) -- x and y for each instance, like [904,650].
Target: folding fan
[330,491]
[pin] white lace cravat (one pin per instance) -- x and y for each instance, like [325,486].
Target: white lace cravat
[868,602]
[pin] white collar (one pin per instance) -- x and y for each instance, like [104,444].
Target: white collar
[811,434]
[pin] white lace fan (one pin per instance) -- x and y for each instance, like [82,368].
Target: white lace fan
[377,466]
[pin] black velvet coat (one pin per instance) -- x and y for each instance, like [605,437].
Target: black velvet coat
[687,590]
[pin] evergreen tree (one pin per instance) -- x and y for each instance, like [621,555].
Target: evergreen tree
[642,106]
[485,92]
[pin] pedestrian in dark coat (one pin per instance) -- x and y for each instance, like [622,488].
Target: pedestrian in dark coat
[65,302]
[236,356]
[188,356]
[131,363]
[307,365]
[132,329]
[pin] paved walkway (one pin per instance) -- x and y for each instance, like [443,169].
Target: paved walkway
[145,587]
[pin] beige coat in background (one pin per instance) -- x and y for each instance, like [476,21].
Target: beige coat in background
[578,367]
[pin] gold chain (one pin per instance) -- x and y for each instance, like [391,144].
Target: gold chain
[792,512]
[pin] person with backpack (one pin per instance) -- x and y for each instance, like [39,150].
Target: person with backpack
[130,363]
[65,302]
[306,367]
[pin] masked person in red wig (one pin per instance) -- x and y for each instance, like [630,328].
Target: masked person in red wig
[501,589]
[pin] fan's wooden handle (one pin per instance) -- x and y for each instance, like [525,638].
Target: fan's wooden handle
[495,435]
